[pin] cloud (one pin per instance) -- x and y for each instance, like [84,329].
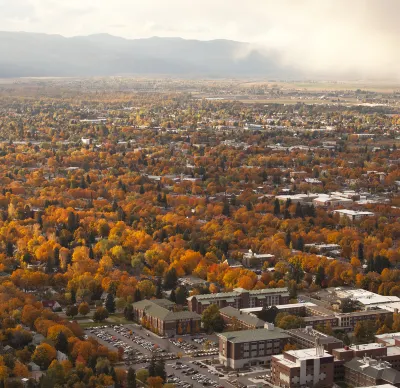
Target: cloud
[329,37]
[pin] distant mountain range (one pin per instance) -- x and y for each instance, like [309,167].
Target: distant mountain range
[41,55]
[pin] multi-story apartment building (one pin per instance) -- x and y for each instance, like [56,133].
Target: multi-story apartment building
[239,349]
[239,298]
[159,316]
[349,320]
[244,321]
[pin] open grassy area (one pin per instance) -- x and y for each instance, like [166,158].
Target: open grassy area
[88,325]
[112,319]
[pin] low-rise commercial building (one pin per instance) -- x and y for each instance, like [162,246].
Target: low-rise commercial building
[354,215]
[256,260]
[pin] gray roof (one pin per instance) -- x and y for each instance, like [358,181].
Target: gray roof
[254,335]
[155,309]
[311,335]
[384,373]
[238,291]
[163,303]
[246,318]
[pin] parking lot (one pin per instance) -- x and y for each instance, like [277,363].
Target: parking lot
[185,357]
[138,347]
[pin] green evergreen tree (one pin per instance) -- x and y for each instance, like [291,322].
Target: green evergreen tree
[160,369]
[131,378]
[61,342]
[137,296]
[277,207]
[110,303]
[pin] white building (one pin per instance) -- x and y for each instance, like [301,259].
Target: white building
[353,215]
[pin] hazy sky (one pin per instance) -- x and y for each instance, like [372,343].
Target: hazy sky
[343,35]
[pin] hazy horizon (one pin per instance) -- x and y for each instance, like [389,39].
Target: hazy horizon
[331,36]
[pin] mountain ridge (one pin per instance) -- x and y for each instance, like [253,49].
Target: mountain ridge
[38,54]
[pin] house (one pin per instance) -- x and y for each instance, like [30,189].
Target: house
[33,367]
[103,296]
[61,356]
[38,338]
[37,267]
[8,349]
[51,304]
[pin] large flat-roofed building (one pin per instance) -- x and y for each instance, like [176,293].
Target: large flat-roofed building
[364,372]
[303,368]
[349,320]
[388,339]
[353,215]
[363,298]
[159,316]
[293,308]
[245,321]
[241,349]
[380,386]
[297,198]
[378,351]
[239,298]
[321,320]
[307,337]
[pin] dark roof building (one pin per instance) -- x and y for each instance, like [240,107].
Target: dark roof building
[307,338]
[364,372]
[243,320]
[239,298]
[241,349]
[159,316]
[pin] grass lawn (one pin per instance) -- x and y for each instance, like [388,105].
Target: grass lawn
[88,325]
[118,318]
[115,318]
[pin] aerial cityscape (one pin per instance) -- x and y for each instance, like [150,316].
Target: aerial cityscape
[176,215]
